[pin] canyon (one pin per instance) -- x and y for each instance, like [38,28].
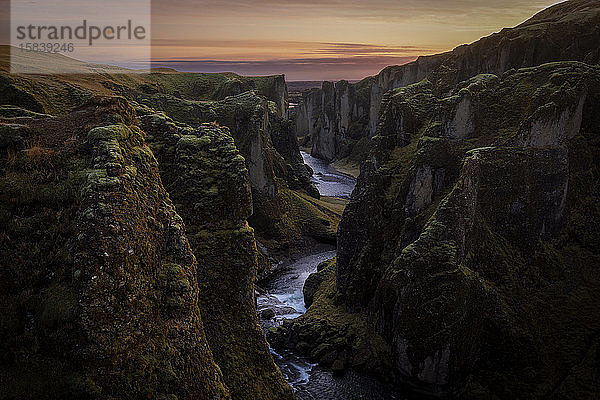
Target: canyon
[467,258]
[339,117]
[144,217]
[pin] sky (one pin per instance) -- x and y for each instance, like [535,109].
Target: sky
[321,39]
[317,39]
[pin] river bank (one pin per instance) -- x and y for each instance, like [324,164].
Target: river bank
[280,297]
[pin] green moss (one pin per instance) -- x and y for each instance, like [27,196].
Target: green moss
[90,227]
[332,335]
[109,133]
[47,379]
[317,218]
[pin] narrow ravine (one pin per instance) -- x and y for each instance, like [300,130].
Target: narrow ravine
[283,299]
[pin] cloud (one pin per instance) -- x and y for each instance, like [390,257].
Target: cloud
[340,38]
[380,9]
[366,49]
[336,38]
[307,48]
[318,68]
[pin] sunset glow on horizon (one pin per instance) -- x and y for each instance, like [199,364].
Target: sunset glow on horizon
[320,40]
[315,40]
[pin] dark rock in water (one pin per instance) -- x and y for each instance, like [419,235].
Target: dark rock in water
[102,287]
[312,284]
[267,314]
[322,266]
[270,307]
[338,366]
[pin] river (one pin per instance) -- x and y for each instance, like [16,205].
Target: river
[328,181]
[282,299]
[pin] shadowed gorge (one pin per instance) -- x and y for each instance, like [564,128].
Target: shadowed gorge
[429,232]
[467,260]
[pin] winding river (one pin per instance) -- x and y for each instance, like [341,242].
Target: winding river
[282,299]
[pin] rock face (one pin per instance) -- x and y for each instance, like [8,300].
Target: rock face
[274,88]
[209,184]
[471,244]
[270,148]
[333,117]
[99,284]
[338,114]
[253,108]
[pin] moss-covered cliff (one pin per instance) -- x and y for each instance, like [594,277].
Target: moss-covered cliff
[99,284]
[208,182]
[253,108]
[226,148]
[270,148]
[337,116]
[471,243]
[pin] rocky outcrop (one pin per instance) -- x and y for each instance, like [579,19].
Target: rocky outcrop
[470,246]
[271,152]
[566,31]
[298,175]
[99,284]
[314,282]
[210,187]
[273,88]
[333,118]
[253,108]
[551,125]
[443,276]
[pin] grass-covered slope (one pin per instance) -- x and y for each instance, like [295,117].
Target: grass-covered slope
[58,93]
